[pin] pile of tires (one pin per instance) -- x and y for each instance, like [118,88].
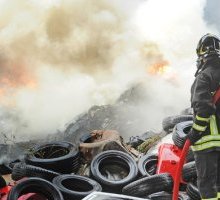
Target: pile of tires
[47,172]
[159,186]
[53,170]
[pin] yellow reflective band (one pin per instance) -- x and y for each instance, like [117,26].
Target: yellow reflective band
[198,127]
[206,145]
[201,52]
[218,195]
[202,118]
[208,138]
[213,125]
[216,198]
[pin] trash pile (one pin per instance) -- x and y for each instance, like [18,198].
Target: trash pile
[101,161]
[122,115]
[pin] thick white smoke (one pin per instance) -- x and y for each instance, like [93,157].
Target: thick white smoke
[58,58]
[176,27]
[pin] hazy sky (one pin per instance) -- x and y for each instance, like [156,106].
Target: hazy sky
[212,14]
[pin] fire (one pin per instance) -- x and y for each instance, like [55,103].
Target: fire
[13,77]
[159,68]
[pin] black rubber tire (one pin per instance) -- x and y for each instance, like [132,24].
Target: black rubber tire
[180,132]
[67,160]
[167,196]
[21,170]
[75,187]
[117,158]
[190,156]
[86,138]
[193,192]
[160,196]
[147,164]
[149,185]
[14,162]
[187,111]
[35,185]
[189,172]
[169,122]
[5,169]
[2,182]
[184,196]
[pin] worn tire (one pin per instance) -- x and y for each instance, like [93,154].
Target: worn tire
[149,185]
[21,170]
[75,187]
[113,158]
[147,164]
[35,185]
[61,157]
[180,132]
[167,196]
[5,169]
[190,156]
[187,111]
[86,138]
[160,196]
[189,171]
[193,192]
[169,122]
[2,182]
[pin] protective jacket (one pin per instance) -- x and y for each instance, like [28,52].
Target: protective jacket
[206,113]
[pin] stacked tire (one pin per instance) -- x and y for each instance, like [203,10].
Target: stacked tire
[113,170]
[61,157]
[147,164]
[35,185]
[170,122]
[76,187]
[180,132]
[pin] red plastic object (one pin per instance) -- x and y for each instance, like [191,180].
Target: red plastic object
[168,159]
[4,191]
[4,195]
[178,176]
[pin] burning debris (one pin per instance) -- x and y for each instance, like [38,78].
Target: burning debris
[63,61]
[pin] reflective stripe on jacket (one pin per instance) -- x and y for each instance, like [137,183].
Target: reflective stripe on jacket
[211,140]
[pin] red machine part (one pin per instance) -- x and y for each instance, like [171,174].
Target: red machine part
[168,159]
[4,192]
[178,177]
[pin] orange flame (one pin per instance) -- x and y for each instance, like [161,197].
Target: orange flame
[158,68]
[17,76]
[13,77]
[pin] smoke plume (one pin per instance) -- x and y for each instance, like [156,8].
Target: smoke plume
[58,58]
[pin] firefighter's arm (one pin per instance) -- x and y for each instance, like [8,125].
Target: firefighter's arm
[202,103]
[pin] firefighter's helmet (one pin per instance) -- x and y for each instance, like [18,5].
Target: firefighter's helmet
[208,45]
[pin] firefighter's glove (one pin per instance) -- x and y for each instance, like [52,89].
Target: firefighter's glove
[194,136]
[198,128]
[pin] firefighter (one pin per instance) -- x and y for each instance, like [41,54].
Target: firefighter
[205,132]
